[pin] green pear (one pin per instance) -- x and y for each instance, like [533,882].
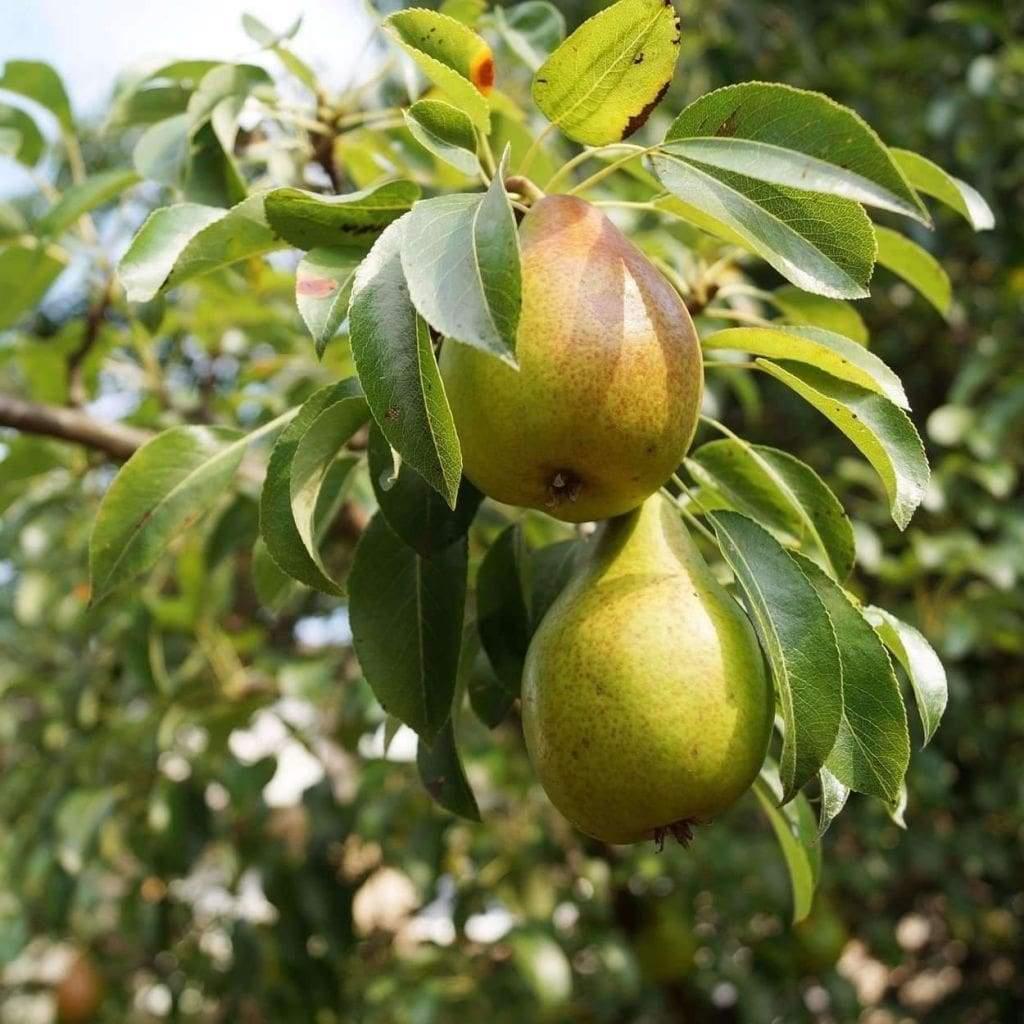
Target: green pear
[606,396]
[646,705]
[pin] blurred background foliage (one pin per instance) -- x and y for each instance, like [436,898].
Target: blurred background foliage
[198,816]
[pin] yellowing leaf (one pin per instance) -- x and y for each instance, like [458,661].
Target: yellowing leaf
[602,83]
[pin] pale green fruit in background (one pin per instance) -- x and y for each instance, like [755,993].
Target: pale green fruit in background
[646,704]
[606,398]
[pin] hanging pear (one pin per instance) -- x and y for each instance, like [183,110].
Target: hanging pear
[605,400]
[646,704]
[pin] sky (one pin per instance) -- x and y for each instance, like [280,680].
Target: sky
[92,41]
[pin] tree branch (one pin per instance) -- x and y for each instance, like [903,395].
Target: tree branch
[116,439]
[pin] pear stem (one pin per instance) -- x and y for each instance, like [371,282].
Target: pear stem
[609,170]
[686,513]
[587,154]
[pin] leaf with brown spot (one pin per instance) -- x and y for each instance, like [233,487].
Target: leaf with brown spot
[593,87]
[323,285]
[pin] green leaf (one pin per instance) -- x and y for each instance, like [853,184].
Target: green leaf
[461,260]
[446,132]
[503,611]
[39,82]
[531,30]
[451,55]
[934,181]
[178,243]
[413,509]
[551,568]
[310,221]
[162,152]
[83,197]
[898,809]
[783,494]
[825,350]
[466,11]
[225,82]
[406,614]
[800,307]
[822,244]
[211,175]
[394,356]
[442,774]
[795,138]
[918,267]
[319,450]
[872,749]
[797,833]
[919,661]
[833,799]
[292,484]
[27,270]
[882,431]
[602,83]
[158,494]
[797,638]
[20,136]
[263,35]
[323,287]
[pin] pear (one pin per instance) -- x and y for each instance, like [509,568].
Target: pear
[606,396]
[646,705]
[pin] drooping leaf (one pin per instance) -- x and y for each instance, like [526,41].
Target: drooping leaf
[83,197]
[602,83]
[406,614]
[394,356]
[20,136]
[451,55]
[291,490]
[797,638]
[823,349]
[918,267]
[783,494]
[821,243]
[872,748]
[39,82]
[796,830]
[310,221]
[800,307]
[919,661]
[27,269]
[931,179]
[833,799]
[323,287]
[461,260]
[795,138]
[898,809]
[882,431]
[159,492]
[531,30]
[413,509]
[177,243]
[163,150]
[319,450]
[446,132]
[211,176]
[503,610]
[442,774]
